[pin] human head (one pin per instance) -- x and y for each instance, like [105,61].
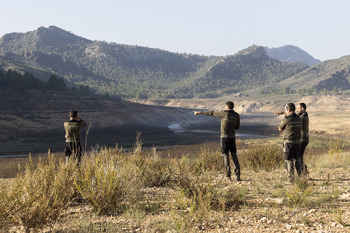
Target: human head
[229,105]
[290,107]
[73,114]
[301,108]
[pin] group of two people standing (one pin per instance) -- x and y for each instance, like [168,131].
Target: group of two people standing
[295,127]
[295,136]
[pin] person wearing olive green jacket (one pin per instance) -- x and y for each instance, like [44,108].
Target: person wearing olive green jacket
[291,127]
[73,141]
[230,122]
[301,111]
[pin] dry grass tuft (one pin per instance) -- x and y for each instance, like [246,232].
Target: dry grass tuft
[39,195]
[109,182]
[264,156]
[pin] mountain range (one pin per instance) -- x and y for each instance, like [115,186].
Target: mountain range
[139,72]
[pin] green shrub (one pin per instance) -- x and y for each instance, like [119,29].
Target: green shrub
[299,195]
[266,156]
[231,198]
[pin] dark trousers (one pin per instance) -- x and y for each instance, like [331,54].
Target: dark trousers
[301,166]
[73,148]
[291,156]
[229,145]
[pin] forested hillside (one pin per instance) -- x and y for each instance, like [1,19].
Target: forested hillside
[248,69]
[135,71]
[328,75]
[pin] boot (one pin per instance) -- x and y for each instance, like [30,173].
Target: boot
[290,170]
[227,164]
[238,174]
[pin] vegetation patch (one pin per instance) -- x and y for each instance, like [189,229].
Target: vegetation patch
[113,190]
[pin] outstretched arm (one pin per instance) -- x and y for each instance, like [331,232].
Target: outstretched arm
[210,113]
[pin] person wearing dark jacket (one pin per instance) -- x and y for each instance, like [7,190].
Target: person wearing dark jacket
[301,111]
[73,139]
[230,122]
[291,127]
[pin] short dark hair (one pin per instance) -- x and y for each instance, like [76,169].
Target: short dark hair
[230,104]
[290,107]
[303,105]
[73,113]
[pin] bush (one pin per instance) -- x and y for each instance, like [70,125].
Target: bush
[4,210]
[110,182]
[156,171]
[211,160]
[204,194]
[39,195]
[298,195]
[266,156]
[231,198]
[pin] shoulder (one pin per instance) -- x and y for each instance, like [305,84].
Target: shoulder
[231,113]
[288,117]
[295,116]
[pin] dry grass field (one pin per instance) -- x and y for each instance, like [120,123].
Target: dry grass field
[264,201]
[182,188]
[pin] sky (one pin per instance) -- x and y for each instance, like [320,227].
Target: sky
[204,27]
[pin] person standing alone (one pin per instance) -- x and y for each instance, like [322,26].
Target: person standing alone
[230,122]
[73,139]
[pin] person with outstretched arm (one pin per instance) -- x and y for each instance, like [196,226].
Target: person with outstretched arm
[230,122]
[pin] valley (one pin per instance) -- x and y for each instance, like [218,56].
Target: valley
[163,122]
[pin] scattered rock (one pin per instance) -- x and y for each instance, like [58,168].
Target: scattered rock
[344,197]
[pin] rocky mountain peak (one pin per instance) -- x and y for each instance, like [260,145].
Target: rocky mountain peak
[290,53]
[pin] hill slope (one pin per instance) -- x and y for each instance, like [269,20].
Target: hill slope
[32,113]
[328,74]
[138,72]
[248,69]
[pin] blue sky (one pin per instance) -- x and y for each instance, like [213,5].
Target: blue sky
[205,27]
